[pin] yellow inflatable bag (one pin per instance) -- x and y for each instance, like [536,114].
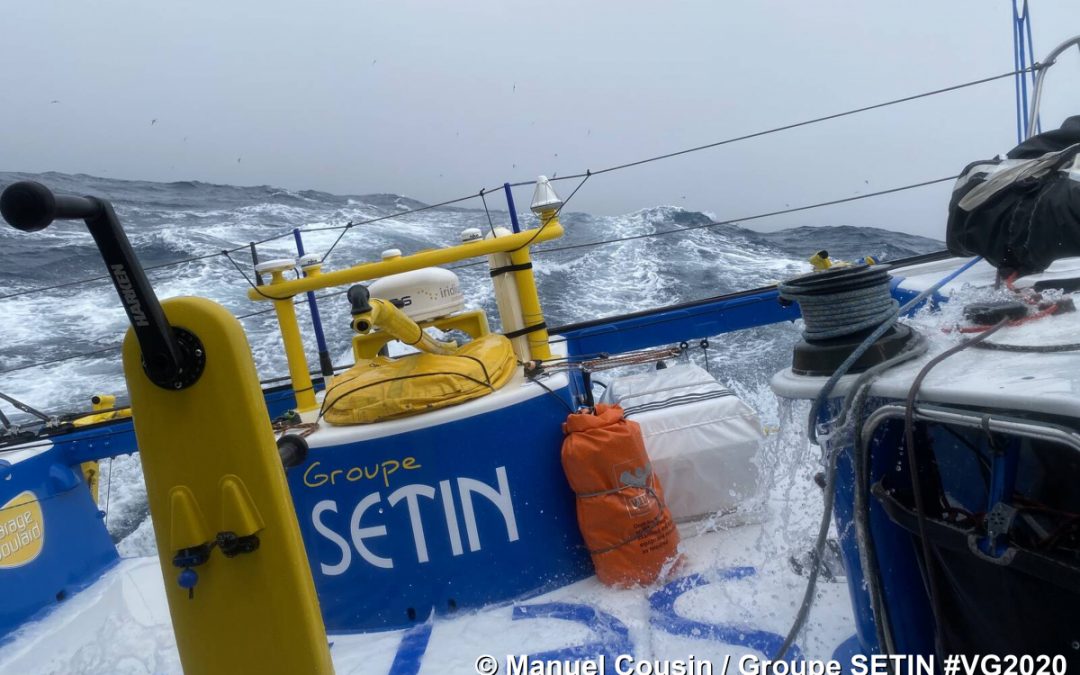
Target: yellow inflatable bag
[382,389]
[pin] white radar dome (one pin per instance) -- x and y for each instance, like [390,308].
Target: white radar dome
[425,294]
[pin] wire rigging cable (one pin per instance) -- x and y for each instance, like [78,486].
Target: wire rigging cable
[543,251]
[732,221]
[884,104]
[1019,71]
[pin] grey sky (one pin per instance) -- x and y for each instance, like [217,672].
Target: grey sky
[437,99]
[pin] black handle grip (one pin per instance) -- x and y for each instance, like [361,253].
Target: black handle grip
[31,206]
[172,358]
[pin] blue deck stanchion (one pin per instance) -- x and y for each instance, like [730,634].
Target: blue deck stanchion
[513,209]
[325,364]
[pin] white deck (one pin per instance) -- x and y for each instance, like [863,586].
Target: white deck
[1047,383]
[121,624]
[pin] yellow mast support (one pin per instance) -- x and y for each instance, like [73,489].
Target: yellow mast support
[528,297]
[294,347]
[294,354]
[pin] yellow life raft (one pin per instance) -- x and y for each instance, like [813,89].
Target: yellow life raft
[381,388]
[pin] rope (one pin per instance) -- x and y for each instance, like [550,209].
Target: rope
[586,174]
[856,298]
[733,221]
[554,249]
[245,276]
[61,359]
[548,251]
[398,214]
[336,241]
[859,394]
[491,225]
[795,125]
[605,362]
[913,465]
[103,277]
[854,401]
[535,378]
[830,384]
[557,212]
[744,219]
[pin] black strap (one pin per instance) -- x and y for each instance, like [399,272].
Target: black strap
[511,268]
[526,330]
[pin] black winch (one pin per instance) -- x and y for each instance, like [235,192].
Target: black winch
[841,307]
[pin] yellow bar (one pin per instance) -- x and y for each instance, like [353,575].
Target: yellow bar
[431,258]
[388,318]
[294,352]
[473,323]
[91,472]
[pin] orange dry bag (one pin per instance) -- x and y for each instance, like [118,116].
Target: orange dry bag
[620,504]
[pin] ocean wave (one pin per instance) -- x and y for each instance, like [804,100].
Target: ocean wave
[182,219]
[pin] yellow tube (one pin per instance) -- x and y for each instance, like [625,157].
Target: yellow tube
[280,290]
[294,353]
[91,472]
[529,299]
[389,318]
[106,404]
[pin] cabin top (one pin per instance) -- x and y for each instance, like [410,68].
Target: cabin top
[1023,381]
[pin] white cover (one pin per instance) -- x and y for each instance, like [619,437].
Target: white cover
[702,440]
[423,294]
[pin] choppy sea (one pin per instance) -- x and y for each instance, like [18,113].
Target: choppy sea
[58,347]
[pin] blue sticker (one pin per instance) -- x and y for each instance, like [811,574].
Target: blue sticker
[664,617]
[845,651]
[613,638]
[411,650]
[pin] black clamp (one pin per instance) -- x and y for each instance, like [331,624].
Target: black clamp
[510,268]
[231,545]
[526,330]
